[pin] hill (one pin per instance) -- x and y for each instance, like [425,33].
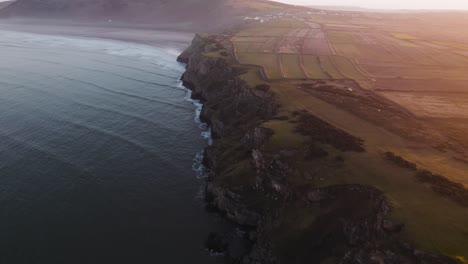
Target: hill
[5,4]
[196,14]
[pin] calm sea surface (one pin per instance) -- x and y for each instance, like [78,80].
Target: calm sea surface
[97,148]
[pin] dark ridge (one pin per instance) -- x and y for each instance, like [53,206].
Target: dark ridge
[322,132]
[440,184]
[199,15]
[400,161]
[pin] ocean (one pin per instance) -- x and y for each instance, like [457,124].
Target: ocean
[100,151]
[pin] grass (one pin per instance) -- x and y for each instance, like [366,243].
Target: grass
[347,49]
[291,66]
[313,68]
[455,45]
[250,39]
[261,31]
[348,68]
[431,221]
[255,47]
[241,46]
[252,76]
[285,23]
[404,36]
[328,67]
[340,37]
[422,72]
[268,61]
[284,137]
[217,54]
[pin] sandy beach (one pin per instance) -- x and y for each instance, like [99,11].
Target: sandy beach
[163,38]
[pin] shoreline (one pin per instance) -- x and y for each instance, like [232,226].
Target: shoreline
[248,183]
[162,38]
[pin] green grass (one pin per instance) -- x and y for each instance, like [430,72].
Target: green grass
[268,61]
[252,76]
[261,31]
[328,67]
[432,222]
[347,68]
[255,47]
[241,46]
[291,66]
[404,36]
[340,37]
[284,137]
[313,68]
[250,39]
[285,23]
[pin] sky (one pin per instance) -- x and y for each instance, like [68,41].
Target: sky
[387,4]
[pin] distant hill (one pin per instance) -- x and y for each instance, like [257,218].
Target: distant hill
[203,14]
[5,4]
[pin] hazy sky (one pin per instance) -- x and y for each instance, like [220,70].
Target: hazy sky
[384,4]
[393,4]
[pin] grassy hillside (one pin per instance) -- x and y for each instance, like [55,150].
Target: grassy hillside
[203,15]
[396,81]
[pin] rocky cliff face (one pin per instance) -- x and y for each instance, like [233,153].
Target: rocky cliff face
[251,185]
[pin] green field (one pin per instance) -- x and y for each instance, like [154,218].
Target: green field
[291,66]
[268,61]
[368,51]
[347,68]
[242,46]
[313,68]
[340,37]
[329,67]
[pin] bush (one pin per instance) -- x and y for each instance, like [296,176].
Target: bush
[400,161]
[263,87]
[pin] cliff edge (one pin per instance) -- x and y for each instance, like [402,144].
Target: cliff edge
[254,185]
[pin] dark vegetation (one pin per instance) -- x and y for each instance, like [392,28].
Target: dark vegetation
[400,161]
[440,184]
[377,110]
[263,87]
[313,151]
[321,132]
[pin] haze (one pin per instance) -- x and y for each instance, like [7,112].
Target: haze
[387,4]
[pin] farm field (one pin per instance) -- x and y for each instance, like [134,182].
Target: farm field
[435,105]
[292,66]
[313,68]
[268,61]
[392,81]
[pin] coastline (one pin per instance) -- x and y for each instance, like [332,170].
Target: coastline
[210,81]
[248,184]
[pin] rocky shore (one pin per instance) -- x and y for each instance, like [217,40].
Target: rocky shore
[251,185]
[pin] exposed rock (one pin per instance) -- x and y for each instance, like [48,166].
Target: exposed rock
[258,136]
[216,243]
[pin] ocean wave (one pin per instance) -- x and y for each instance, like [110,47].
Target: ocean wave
[201,171]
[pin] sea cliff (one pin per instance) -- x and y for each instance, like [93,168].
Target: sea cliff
[253,186]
